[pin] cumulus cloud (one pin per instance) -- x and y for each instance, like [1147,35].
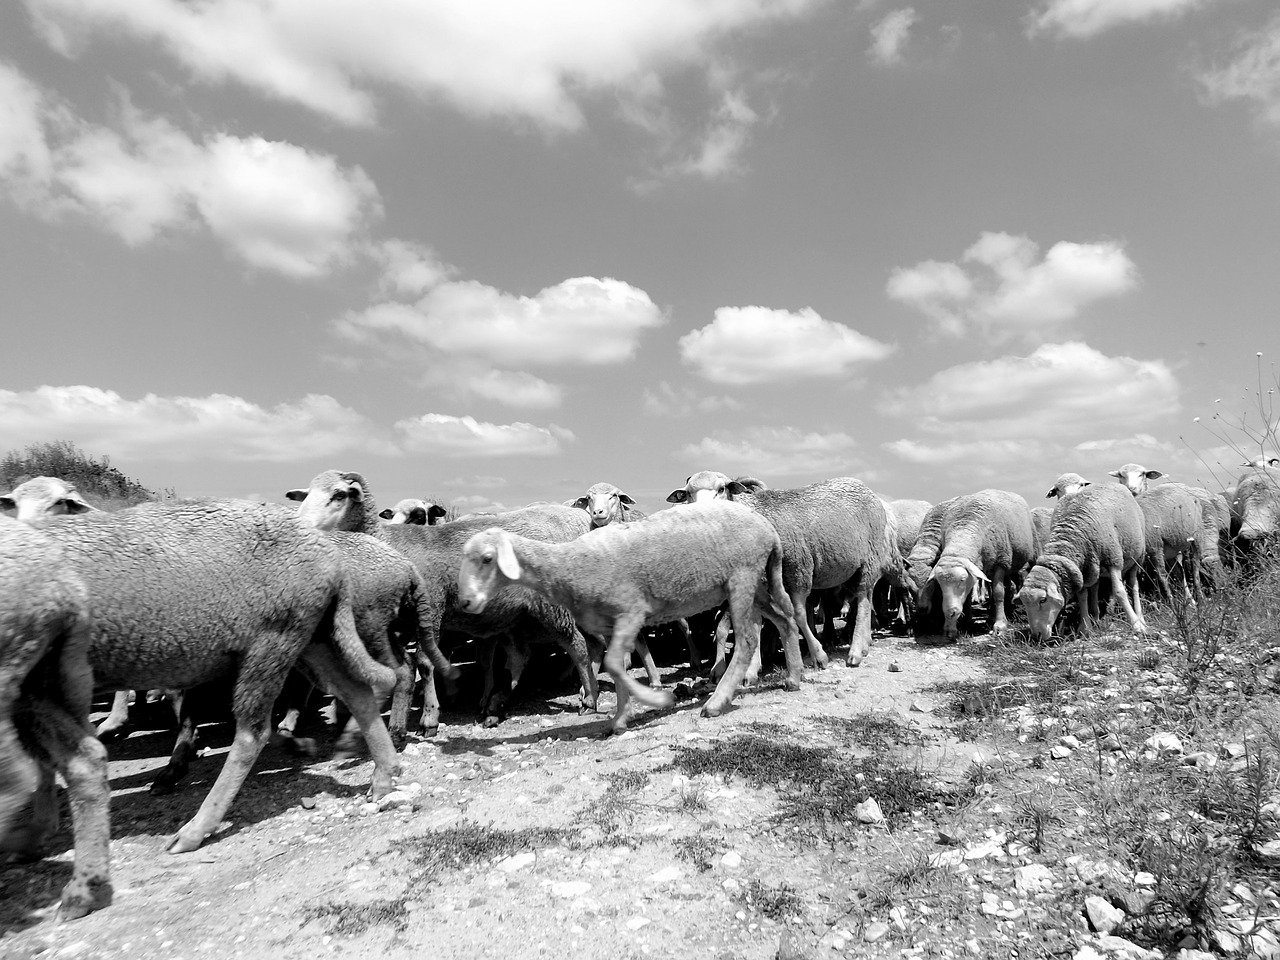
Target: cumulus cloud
[409,269]
[1005,286]
[1062,393]
[1079,19]
[440,435]
[1253,75]
[186,428]
[889,36]
[746,345]
[767,452]
[514,59]
[665,400]
[514,388]
[275,205]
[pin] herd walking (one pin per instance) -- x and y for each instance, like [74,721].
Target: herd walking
[256,600]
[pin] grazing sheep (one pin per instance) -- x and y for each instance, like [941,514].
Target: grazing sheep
[44,497]
[1041,523]
[1255,508]
[834,534]
[338,500]
[1135,477]
[985,538]
[1066,485]
[187,592]
[46,685]
[617,578]
[422,513]
[1214,535]
[890,600]
[1097,532]
[1173,520]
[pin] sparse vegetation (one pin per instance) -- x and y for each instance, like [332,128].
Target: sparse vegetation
[468,844]
[102,484]
[353,919]
[777,902]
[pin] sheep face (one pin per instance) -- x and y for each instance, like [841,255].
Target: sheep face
[1066,485]
[418,513]
[1135,477]
[44,497]
[956,578]
[488,564]
[332,502]
[713,485]
[1257,505]
[604,503]
[1043,604]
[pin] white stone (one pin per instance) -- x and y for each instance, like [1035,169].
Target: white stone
[731,885]
[1126,949]
[570,888]
[517,862]
[875,931]
[1033,878]
[1163,743]
[868,811]
[665,875]
[731,860]
[635,923]
[1103,917]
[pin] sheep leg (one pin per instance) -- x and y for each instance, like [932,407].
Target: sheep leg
[746,631]
[1131,610]
[860,641]
[616,660]
[695,658]
[589,692]
[784,621]
[488,666]
[800,603]
[185,748]
[429,721]
[650,668]
[518,657]
[33,814]
[365,709]
[116,724]
[996,608]
[722,645]
[402,695]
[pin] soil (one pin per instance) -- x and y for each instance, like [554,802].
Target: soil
[586,845]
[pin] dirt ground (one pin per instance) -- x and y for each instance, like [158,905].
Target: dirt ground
[647,861]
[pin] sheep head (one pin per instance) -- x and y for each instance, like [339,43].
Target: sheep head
[604,503]
[489,563]
[44,497]
[957,578]
[1135,476]
[335,500]
[1066,485]
[1042,598]
[419,513]
[713,485]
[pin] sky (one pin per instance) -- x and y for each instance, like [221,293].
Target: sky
[490,252]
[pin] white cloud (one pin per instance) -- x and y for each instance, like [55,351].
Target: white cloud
[1009,289]
[445,436]
[514,388]
[185,428]
[766,452]
[889,36]
[275,205]
[719,151]
[408,268]
[1062,392]
[969,452]
[664,400]
[1253,75]
[746,345]
[583,320]
[503,58]
[1080,19]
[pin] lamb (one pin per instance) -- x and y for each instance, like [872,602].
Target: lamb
[1135,477]
[1097,532]
[44,497]
[1173,521]
[834,534]
[985,537]
[1255,508]
[186,592]
[341,500]
[1066,485]
[423,513]
[46,685]
[619,577]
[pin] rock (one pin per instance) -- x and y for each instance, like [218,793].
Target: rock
[635,923]
[731,860]
[517,862]
[1087,953]
[868,811]
[308,803]
[1033,878]
[894,668]
[665,875]
[1126,949]
[952,836]
[1060,752]
[731,886]
[793,947]
[395,798]
[568,889]
[1270,849]
[876,930]
[1103,917]
[1163,744]
[921,706]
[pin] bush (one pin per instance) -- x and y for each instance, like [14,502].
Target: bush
[98,481]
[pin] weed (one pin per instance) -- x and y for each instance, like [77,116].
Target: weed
[777,903]
[353,919]
[461,846]
[1035,815]
[616,808]
[699,849]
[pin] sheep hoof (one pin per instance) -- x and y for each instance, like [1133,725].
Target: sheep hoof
[112,734]
[163,786]
[81,897]
[711,711]
[491,721]
[183,842]
[791,684]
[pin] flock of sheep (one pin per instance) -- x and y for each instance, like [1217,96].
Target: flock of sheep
[181,595]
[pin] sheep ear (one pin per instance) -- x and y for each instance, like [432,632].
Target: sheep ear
[507,562]
[1118,474]
[436,512]
[580,503]
[298,495]
[678,496]
[7,503]
[751,484]
[1087,483]
[76,505]
[418,517]
[1153,474]
[976,571]
[356,490]
[386,514]
[627,500]
[1053,492]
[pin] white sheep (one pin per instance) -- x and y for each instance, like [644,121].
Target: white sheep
[1173,529]
[1066,485]
[1255,507]
[44,497]
[983,538]
[1042,523]
[1261,462]
[423,513]
[607,504]
[1097,532]
[1135,477]
[620,577]
[46,685]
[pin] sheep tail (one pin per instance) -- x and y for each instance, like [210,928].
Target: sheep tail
[352,651]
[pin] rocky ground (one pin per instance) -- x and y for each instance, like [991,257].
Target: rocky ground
[894,810]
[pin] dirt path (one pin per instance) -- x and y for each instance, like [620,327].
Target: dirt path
[538,838]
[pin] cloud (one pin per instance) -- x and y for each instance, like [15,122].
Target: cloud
[505,59]
[1080,19]
[747,345]
[408,268]
[1008,288]
[766,452]
[276,206]
[514,388]
[720,147]
[1253,75]
[664,400]
[1062,393]
[889,36]
[445,436]
[186,428]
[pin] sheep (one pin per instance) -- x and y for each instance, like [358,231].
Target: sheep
[619,577]
[1066,485]
[44,497]
[46,685]
[1041,523]
[1172,527]
[186,592]
[1135,477]
[986,537]
[605,504]
[1261,462]
[423,513]
[341,500]
[1097,532]
[1255,508]
[834,533]
[1213,536]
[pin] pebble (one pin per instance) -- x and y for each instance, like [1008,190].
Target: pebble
[567,889]
[868,811]
[876,930]
[665,875]
[635,923]
[1103,917]
[731,860]
[517,862]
